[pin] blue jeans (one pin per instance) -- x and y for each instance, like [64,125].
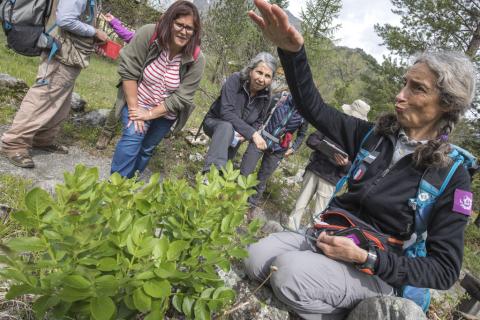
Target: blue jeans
[134,150]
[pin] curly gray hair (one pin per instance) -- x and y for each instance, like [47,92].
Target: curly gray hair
[456,84]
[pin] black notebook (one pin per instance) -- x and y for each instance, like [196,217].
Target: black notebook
[329,149]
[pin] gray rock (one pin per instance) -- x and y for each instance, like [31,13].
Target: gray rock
[380,308]
[196,157]
[9,82]
[78,104]
[93,118]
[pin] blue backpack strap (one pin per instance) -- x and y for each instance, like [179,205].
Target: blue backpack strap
[432,185]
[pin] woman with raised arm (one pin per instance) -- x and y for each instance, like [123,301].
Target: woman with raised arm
[328,279]
[160,70]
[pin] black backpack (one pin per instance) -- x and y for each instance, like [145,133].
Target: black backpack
[23,22]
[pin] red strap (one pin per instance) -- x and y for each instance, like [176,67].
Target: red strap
[196,52]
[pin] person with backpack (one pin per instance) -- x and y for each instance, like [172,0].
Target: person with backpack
[406,182]
[160,70]
[47,102]
[283,121]
[323,171]
[237,114]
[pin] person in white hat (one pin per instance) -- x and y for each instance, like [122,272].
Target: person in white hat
[322,174]
[358,109]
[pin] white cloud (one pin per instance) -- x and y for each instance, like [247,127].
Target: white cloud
[357,19]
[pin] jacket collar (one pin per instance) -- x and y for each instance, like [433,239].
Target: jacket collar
[186,58]
[261,94]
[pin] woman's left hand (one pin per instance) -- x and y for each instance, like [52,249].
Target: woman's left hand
[341,248]
[140,114]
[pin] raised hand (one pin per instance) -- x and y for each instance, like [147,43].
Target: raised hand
[275,26]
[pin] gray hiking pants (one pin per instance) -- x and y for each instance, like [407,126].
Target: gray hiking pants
[270,162]
[219,151]
[311,284]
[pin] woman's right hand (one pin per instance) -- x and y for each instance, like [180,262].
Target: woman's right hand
[107,16]
[275,26]
[259,141]
[139,125]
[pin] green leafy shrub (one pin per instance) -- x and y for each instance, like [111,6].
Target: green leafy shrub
[111,250]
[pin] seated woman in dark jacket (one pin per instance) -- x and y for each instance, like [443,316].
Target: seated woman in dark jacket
[239,110]
[439,87]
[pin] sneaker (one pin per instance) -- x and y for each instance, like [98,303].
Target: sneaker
[21,160]
[53,148]
[103,140]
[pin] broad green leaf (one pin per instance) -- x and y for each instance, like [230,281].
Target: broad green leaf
[52,235]
[237,220]
[37,201]
[254,226]
[146,275]
[142,205]
[19,290]
[207,293]
[175,249]
[242,182]
[107,285]
[225,226]
[166,270]
[70,294]
[107,264]
[42,304]
[160,248]
[157,288]
[116,179]
[25,218]
[187,305]
[201,310]
[26,244]
[156,314]
[13,274]
[177,302]
[141,301]
[128,300]
[238,253]
[224,293]
[77,281]
[102,308]
[141,227]
[207,276]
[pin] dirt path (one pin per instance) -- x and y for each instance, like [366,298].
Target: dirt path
[49,167]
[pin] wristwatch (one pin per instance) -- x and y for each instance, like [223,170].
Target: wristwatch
[368,266]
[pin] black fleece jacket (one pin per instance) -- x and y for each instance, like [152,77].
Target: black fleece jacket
[381,196]
[236,106]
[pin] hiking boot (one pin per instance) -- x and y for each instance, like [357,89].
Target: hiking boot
[53,148]
[103,140]
[21,160]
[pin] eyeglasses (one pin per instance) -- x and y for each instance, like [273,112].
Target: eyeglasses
[179,27]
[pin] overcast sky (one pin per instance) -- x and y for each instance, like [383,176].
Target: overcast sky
[357,19]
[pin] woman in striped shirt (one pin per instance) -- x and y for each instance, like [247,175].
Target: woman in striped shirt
[160,70]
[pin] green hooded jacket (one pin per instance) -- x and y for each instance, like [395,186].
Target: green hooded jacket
[139,53]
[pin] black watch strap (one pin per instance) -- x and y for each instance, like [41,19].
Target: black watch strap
[368,266]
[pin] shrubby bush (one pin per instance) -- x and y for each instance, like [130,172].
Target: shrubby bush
[118,248]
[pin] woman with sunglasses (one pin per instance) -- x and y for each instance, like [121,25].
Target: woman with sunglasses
[160,70]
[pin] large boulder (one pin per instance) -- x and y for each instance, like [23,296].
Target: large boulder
[380,308]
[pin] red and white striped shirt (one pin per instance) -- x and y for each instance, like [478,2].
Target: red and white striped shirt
[160,79]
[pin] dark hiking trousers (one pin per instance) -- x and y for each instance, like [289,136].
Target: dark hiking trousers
[270,162]
[219,152]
